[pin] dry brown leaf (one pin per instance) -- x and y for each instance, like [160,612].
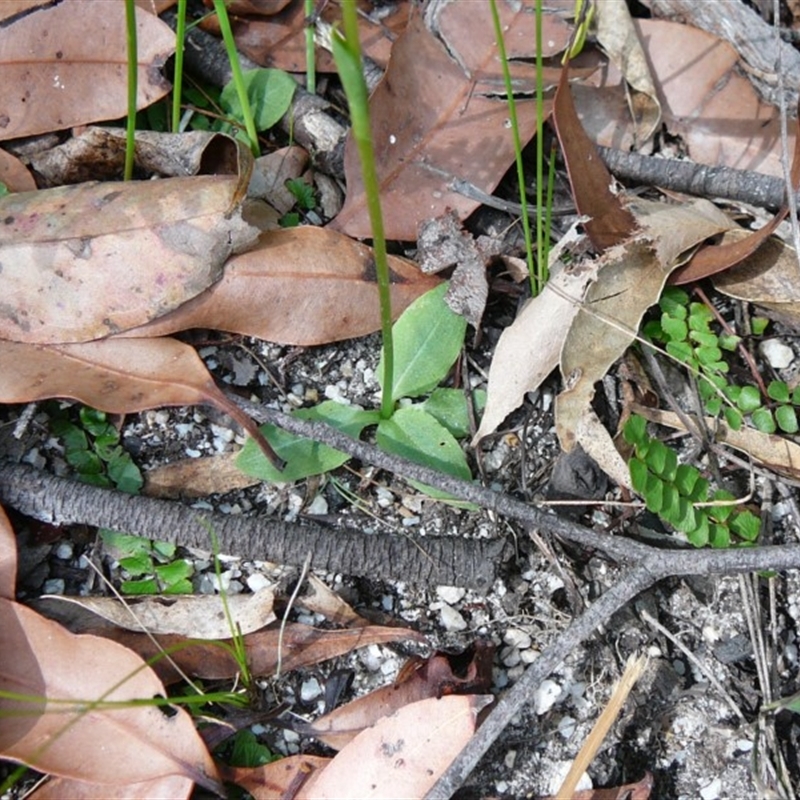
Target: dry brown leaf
[629,791]
[196,477]
[8,558]
[98,153]
[119,376]
[302,646]
[403,755]
[301,286]
[320,599]
[280,778]
[620,40]
[168,787]
[432,679]
[50,56]
[200,617]
[270,173]
[430,127]
[704,98]
[14,174]
[82,262]
[630,280]
[279,40]
[776,453]
[118,745]
[608,222]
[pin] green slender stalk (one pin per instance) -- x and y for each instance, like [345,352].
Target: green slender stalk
[177,84]
[536,282]
[238,78]
[347,54]
[311,65]
[541,232]
[133,66]
[548,221]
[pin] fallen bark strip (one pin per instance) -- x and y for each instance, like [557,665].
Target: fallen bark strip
[434,560]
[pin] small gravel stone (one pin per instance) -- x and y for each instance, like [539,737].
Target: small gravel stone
[517,638]
[319,505]
[451,594]
[64,551]
[256,582]
[54,586]
[451,619]
[545,696]
[777,354]
[712,790]
[310,690]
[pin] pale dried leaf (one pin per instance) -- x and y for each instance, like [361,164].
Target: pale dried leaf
[630,280]
[201,617]
[320,599]
[82,262]
[301,286]
[529,349]
[196,477]
[403,755]
[47,61]
[118,745]
[270,173]
[777,453]
[621,42]
[8,558]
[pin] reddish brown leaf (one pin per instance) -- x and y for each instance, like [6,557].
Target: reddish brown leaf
[430,127]
[14,174]
[82,262]
[279,40]
[281,778]
[8,558]
[116,375]
[50,57]
[403,755]
[169,787]
[302,646]
[63,734]
[610,222]
[301,286]
[434,678]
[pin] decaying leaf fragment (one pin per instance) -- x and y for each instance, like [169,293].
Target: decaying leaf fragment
[629,281]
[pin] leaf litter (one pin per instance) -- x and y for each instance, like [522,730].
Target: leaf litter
[666,239]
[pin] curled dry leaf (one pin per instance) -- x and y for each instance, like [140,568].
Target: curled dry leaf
[196,477]
[430,126]
[620,40]
[630,279]
[82,262]
[402,755]
[8,558]
[201,617]
[119,376]
[62,733]
[300,286]
[47,61]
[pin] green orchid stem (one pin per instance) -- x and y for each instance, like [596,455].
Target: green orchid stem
[177,83]
[347,55]
[311,67]
[536,280]
[236,70]
[133,65]
[542,233]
